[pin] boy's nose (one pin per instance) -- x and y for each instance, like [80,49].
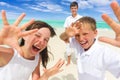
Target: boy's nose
[81,38]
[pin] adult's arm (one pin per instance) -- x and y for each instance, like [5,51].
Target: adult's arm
[113,24]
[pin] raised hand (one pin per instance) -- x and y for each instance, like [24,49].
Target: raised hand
[73,29]
[113,24]
[55,69]
[10,34]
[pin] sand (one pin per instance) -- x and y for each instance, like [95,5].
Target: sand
[57,47]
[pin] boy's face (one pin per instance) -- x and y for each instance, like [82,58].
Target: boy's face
[74,10]
[85,36]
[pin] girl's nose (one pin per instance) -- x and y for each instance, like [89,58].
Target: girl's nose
[40,41]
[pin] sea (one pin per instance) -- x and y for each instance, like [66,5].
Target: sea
[60,23]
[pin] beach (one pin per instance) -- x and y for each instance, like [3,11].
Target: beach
[57,47]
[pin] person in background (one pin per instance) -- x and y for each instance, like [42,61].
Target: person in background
[93,58]
[69,20]
[19,60]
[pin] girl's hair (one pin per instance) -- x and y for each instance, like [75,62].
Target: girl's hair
[38,25]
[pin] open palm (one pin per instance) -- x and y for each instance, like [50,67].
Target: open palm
[114,25]
[55,69]
[10,34]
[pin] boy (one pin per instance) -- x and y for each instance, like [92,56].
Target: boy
[93,59]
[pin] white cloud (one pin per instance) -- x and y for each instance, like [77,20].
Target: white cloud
[102,10]
[91,3]
[84,5]
[23,0]
[3,3]
[102,6]
[46,7]
[100,3]
[67,2]
[9,6]
[50,6]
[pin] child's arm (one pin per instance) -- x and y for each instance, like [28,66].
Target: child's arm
[69,32]
[9,35]
[48,72]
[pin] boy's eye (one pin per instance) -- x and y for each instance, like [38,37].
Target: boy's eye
[85,33]
[77,35]
[37,35]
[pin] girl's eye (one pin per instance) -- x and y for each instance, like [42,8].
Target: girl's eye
[46,40]
[38,36]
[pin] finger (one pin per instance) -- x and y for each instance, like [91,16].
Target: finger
[115,26]
[28,32]
[60,70]
[44,69]
[109,41]
[116,9]
[4,18]
[19,19]
[72,24]
[61,63]
[78,24]
[19,50]
[57,64]
[27,24]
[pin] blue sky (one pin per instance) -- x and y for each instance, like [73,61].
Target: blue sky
[55,9]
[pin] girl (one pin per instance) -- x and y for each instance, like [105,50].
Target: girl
[19,62]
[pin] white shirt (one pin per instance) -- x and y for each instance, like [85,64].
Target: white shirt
[93,63]
[18,68]
[70,19]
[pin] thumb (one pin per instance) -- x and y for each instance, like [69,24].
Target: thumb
[17,47]
[44,69]
[19,50]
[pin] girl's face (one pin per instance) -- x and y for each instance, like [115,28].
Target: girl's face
[86,36]
[36,42]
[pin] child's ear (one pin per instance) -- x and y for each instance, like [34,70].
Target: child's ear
[96,32]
